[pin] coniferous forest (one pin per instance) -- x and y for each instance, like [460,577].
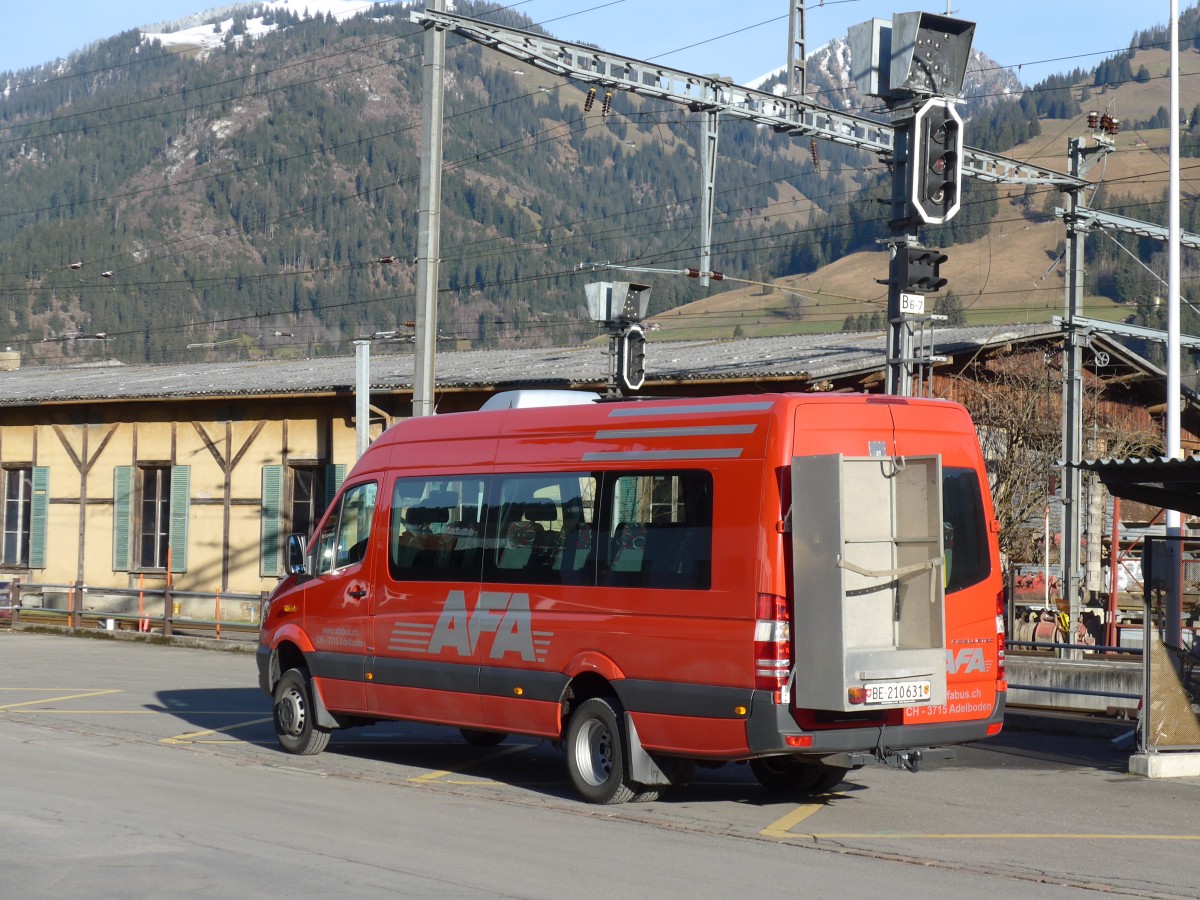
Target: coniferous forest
[264,196]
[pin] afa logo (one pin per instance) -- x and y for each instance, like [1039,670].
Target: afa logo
[463,630]
[965,661]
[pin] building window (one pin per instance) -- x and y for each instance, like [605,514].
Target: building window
[151,509]
[155,533]
[18,515]
[308,499]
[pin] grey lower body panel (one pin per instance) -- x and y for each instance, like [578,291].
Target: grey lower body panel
[770,724]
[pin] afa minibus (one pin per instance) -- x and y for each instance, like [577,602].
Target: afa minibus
[807,583]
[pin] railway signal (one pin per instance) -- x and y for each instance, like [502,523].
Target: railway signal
[937,168]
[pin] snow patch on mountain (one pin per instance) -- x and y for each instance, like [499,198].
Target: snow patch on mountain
[204,36]
[829,82]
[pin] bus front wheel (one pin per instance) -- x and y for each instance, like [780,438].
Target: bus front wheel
[295,716]
[596,756]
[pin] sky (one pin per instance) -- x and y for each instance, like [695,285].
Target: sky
[739,38]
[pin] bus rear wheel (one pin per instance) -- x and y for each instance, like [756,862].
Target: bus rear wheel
[780,774]
[479,738]
[596,758]
[295,715]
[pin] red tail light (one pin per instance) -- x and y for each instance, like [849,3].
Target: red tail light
[772,643]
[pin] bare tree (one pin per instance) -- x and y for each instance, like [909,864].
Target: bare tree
[1016,402]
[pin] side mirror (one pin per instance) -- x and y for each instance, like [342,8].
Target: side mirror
[297,549]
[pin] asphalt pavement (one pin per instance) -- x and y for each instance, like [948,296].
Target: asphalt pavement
[133,767]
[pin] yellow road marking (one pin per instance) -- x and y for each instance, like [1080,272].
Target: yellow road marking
[96,712]
[193,737]
[60,699]
[1006,837]
[780,828]
[429,777]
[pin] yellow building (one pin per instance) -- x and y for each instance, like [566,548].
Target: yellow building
[124,478]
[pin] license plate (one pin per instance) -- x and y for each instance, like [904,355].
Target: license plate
[898,692]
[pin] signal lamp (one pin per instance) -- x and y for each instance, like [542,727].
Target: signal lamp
[936,164]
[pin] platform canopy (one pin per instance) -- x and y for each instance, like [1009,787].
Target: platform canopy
[1162,481]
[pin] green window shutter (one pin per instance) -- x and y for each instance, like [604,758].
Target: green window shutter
[334,476]
[122,516]
[180,512]
[272,521]
[37,517]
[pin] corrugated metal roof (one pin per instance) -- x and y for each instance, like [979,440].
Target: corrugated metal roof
[1160,464]
[804,357]
[1161,481]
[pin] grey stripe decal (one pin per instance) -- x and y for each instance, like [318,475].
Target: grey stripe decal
[753,406]
[696,431]
[649,455]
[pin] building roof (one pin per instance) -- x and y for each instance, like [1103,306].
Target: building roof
[812,359]
[1163,481]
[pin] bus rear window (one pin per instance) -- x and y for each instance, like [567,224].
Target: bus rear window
[964,529]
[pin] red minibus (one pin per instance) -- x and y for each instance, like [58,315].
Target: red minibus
[806,583]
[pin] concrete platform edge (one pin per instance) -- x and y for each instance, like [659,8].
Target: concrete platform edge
[1179,764]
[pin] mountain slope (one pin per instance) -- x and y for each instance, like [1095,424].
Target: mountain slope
[259,196]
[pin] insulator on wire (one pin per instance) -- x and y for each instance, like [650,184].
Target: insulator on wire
[589,100]
[816,157]
[607,107]
[692,273]
[1093,119]
[716,276]
[1114,126]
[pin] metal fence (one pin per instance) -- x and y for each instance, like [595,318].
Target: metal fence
[156,610]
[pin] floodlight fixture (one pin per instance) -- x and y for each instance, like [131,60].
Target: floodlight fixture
[617,301]
[916,54]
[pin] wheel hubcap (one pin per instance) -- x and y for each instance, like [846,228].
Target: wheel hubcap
[289,712]
[594,746]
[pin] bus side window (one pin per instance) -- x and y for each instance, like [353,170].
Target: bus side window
[323,552]
[343,539]
[578,560]
[964,530]
[661,536]
[539,530]
[435,530]
[627,554]
[529,542]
